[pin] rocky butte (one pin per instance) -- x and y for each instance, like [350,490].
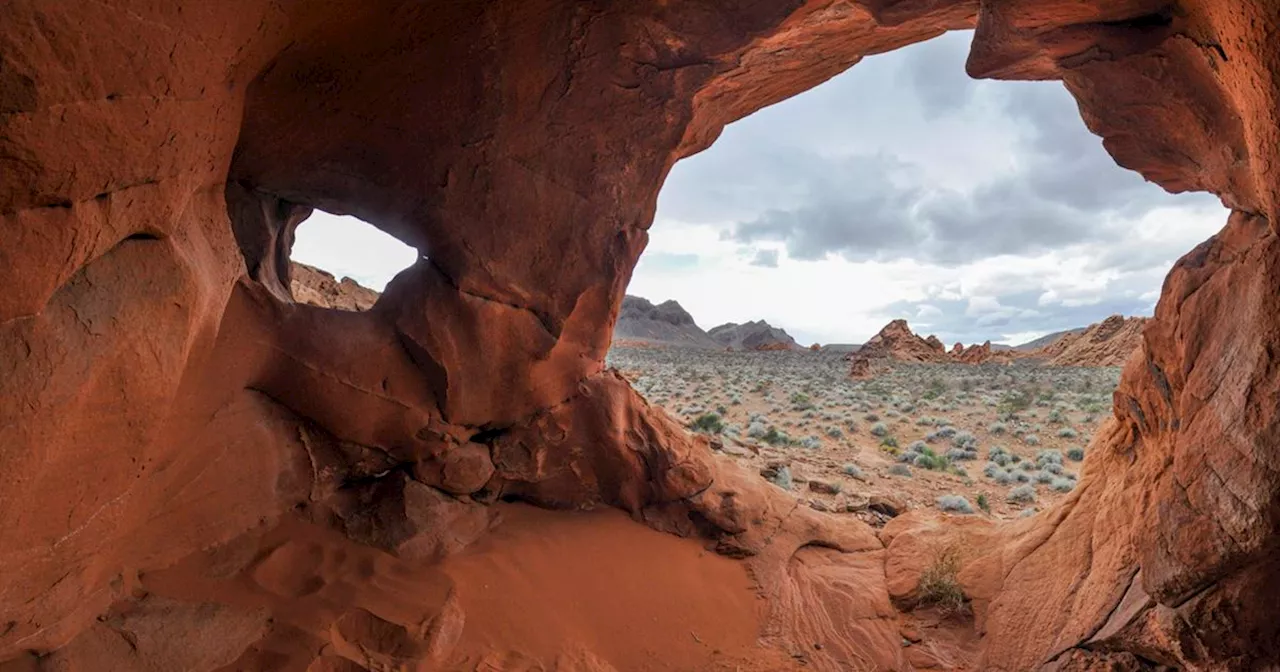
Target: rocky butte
[199,473]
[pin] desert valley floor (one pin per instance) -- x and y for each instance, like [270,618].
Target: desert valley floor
[994,439]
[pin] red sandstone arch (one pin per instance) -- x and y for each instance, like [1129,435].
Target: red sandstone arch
[164,405]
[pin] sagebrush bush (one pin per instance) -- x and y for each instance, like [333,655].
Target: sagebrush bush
[1023,494]
[782,478]
[852,470]
[955,504]
[1063,484]
[880,429]
[900,470]
[1075,454]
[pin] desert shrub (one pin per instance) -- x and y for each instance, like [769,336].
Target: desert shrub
[1044,476]
[871,417]
[1014,402]
[774,437]
[811,443]
[964,440]
[1053,468]
[927,459]
[1003,477]
[852,470]
[917,447]
[958,454]
[996,428]
[935,389]
[782,478]
[983,502]
[1062,484]
[1031,440]
[1048,457]
[722,410]
[939,586]
[991,469]
[834,433]
[1027,512]
[1075,454]
[1023,494]
[801,401]
[889,442]
[954,504]
[1056,417]
[1067,433]
[880,429]
[900,470]
[1027,465]
[945,432]
[708,423]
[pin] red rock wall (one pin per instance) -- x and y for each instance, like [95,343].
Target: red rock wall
[162,395]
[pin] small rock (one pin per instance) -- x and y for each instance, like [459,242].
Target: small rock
[856,502]
[824,487]
[818,505]
[887,504]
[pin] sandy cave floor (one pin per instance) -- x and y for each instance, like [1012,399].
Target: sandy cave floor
[845,443]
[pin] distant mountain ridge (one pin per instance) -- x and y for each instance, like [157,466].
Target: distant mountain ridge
[1106,343]
[757,335]
[667,323]
[1047,339]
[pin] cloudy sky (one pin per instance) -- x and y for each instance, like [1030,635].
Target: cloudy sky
[976,210]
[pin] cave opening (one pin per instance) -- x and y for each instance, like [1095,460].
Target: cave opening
[977,209]
[983,213]
[343,262]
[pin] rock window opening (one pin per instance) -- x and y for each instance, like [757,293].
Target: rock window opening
[344,263]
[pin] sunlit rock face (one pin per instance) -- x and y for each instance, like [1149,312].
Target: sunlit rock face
[199,473]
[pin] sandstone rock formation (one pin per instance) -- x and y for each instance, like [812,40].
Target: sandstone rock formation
[757,335]
[666,323]
[1107,343]
[315,287]
[897,342]
[199,473]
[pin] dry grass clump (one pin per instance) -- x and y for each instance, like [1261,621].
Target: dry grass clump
[939,586]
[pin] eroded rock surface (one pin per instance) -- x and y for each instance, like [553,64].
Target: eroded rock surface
[896,342]
[189,453]
[1107,343]
[316,287]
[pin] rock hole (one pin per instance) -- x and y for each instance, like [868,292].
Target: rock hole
[344,263]
[488,435]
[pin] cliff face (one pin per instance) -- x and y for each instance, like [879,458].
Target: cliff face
[199,473]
